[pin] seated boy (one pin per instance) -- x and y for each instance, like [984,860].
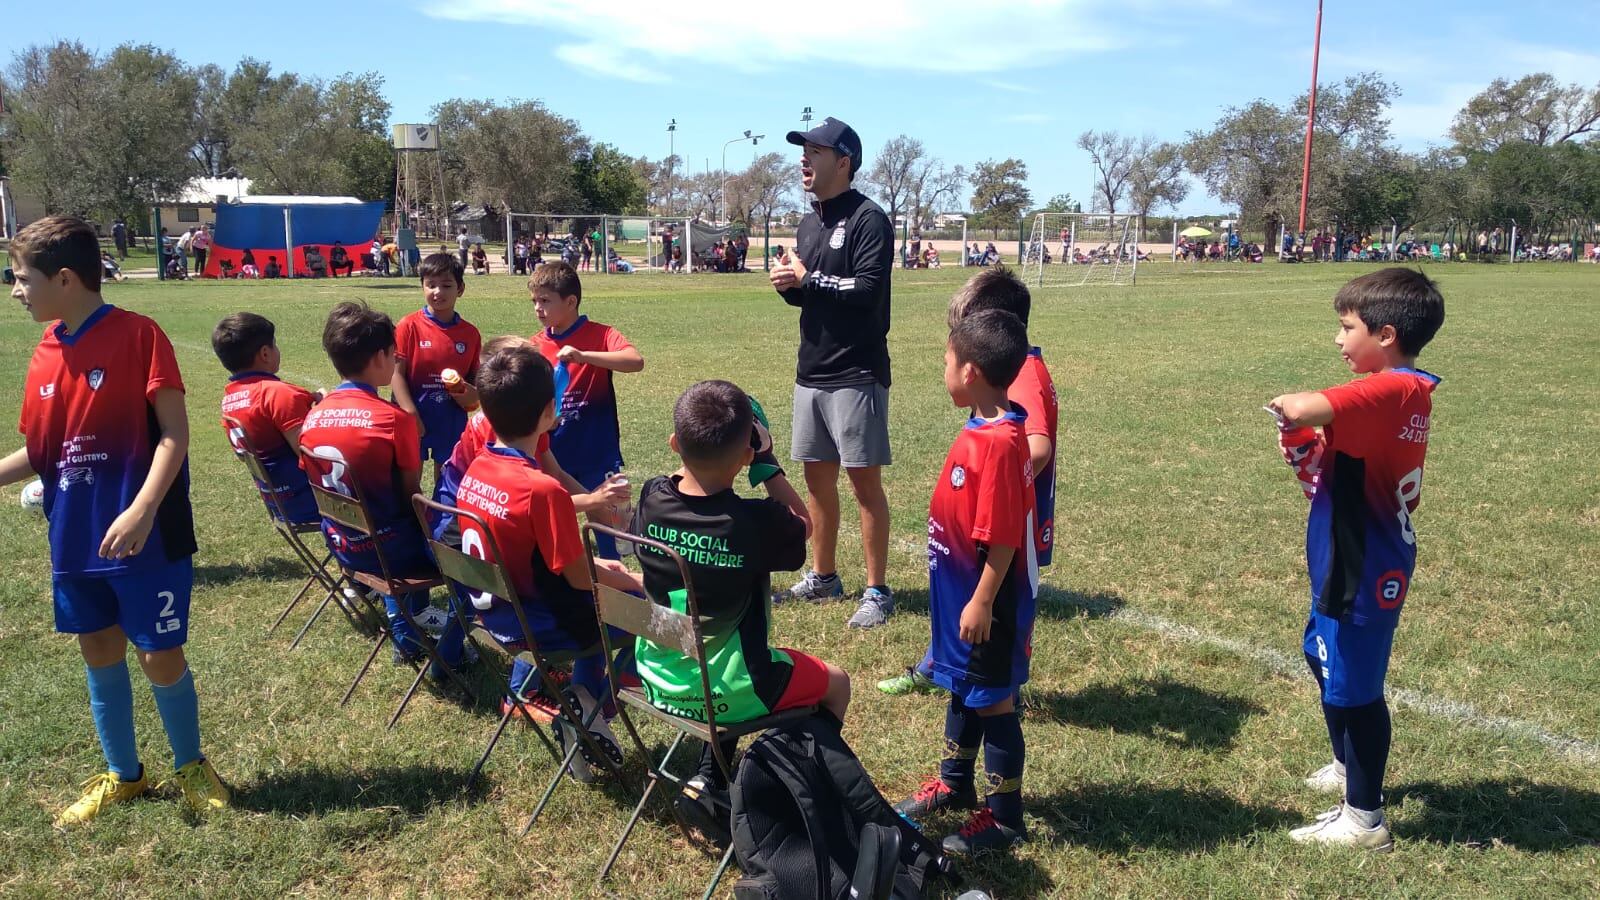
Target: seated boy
[585,355]
[104,427]
[353,437]
[270,410]
[428,342]
[982,581]
[531,519]
[1363,473]
[1033,390]
[731,545]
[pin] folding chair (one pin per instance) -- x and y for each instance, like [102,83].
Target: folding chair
[352,513]
[487,576]
[291,532]
[666,627]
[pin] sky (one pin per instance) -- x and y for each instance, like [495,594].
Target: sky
[972,80]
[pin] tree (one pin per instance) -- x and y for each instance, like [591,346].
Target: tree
[761,190]
[607,182]
[1063,203]
[1113,157]
[702,194]
[1534,108]
[934,189]
[1156,178]
[307,136]
[893,171]
[1251,160]
[999,193]
[96,136]
[516,157]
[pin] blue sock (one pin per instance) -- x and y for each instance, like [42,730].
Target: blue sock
[180,715]
[963,733]
[405,640]
[1003,753]
[522,677]
[453,638]
[590,672]
[111,702]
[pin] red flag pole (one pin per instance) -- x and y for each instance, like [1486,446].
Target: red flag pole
[1311,118]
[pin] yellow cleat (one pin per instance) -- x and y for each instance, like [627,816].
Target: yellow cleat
[100,792]
[202,789]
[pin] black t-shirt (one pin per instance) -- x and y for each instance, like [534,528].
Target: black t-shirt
[731,544]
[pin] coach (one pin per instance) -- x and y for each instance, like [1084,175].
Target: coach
[839,277]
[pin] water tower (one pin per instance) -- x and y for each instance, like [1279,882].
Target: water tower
[419,201]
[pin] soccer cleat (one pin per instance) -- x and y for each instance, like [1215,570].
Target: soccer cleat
[875,609]
[586,766]
[813,588]
[202,790]
[911,681]
[1327,780]
[1338,828]
[539,708]
[982,834]
[936,796]
[704,808]
[100,792]
[432,619]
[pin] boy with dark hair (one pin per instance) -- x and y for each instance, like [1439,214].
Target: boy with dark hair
[353,437]
[584,354]
[269,409]
[532,520]
[105,428]
[731,545]
[1363,474]
[429,343]
[1033,390]
[983,578]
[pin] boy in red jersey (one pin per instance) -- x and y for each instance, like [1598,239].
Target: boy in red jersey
[533,523]
[983,577]
[355,437]
[427,343]
[587,440]
[1034,390]
[1363,474]
[105,428]
[269,409]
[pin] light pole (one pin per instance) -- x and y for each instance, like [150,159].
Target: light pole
[672,151]
[805,118]
[753,139]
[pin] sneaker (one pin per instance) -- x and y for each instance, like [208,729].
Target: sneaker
[982,834]
[936,796]
[704,808]
[100,792]
[540,709]
[1327,780]
[202,790]
[813,588]
[585,767]
[911,681]
[432,619]
[1339,828]
[875,609]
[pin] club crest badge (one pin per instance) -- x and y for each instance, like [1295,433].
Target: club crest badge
[96,378]
[958,477]
[836,241]
[461,347]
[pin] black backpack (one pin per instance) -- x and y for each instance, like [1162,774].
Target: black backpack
[809,824]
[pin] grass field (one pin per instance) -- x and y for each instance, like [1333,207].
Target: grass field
[1169,722]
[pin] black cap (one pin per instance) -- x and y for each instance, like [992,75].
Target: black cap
[836,136]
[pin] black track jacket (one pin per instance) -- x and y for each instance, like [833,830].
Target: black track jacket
[847,245]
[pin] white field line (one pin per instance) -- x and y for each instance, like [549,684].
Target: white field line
[1461,713]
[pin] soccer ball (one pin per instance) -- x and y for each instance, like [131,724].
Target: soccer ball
[33,496]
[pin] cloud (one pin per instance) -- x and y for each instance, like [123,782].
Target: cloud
[1030,118]
[1008,86]
[635,39]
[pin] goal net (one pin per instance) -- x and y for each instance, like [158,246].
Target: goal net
[1070,249]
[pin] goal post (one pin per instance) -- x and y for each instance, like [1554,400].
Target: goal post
[1071,249]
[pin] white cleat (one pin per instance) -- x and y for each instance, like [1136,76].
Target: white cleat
[1327,780]
[1338,827]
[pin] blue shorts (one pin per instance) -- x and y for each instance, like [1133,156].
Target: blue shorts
[152,607]
[974,696]
[445,420]
[1353,659]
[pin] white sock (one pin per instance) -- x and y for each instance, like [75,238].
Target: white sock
[1368,819]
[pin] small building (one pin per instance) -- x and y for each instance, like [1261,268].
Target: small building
[196,204]
[17,208]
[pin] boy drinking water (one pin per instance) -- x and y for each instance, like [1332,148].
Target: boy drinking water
[983,576]
[1363,474]
[104,425]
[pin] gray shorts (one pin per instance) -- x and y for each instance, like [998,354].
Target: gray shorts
[847,425]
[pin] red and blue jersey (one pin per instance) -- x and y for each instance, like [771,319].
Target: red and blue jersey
[89,422]
[429,347]
[1363,474]
[267,408]
[983,499]
[587,440]
[1035,392]
[356,439]
[535,527]
[477,435]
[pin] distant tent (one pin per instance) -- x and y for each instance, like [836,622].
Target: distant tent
[285,226]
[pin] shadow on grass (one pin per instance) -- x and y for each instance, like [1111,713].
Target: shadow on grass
[271,568]
[1519,813]
[314,791]
[1122,818]
[1169,711]
[1054,603]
